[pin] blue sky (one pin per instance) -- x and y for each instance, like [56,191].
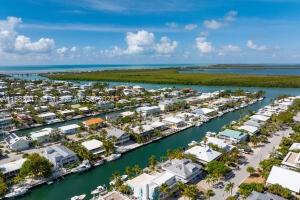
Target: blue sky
[149,32]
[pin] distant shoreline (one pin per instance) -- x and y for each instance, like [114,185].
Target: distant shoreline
[171,76]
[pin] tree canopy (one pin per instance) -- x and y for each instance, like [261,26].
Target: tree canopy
[36,166]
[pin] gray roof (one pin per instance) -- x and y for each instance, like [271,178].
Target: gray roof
[115,132]
[264,196]
[60,150]
[183,168]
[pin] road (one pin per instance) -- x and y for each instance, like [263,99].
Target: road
[258,155]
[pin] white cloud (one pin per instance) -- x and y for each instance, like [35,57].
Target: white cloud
[212,24]
[166,46]
[65,51]
[190,27]
[143,42]
[203,45]
[251,45]
[139,42]
[12,42]
[229,49]
[171,24]
[216,24]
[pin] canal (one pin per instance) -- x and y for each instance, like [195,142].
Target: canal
[84,183]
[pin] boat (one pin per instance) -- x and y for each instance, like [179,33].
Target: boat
[79,197]
[50,182]
[192,143]
[123,178]
[99,191]
[97,163]
[198,124]
[112,157]
[17,191]
[85,165]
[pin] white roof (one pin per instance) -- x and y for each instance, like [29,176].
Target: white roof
[260,117]
[248,128]
[140,180]
[205,154]
[295,146]
[41,133]
[285,177]
[219,142]
[163,178]
[92,144]
[207,110]
[48,114]
[12,166]
[173,120]
[69,127]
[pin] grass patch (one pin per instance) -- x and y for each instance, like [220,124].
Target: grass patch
[171,76]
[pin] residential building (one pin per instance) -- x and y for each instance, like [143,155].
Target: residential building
[146,186]
[148,110]
[264,196]
[184,170]
[113,195]
[69,129]
[292,160]
[94,146]
[11,169]
[174,122]
[205,111]
[120,135]
[286,178]
[47,116]
[260,118]
[251,130]
[94,123]
[295,147]
[204,154]
[221,143]
[16,143]
[6,122]
[233,135]
[41,136]
[60,155]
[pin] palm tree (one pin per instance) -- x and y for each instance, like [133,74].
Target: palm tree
[251,170]
[152,162]
[209,193]
[254,140]
[190,191]
[229,187]
[164,189]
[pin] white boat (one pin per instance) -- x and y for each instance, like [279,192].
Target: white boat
[99,162]
[17,191]
[123,178]
[112,157]
[99,191]
[85,165]
[50,182]
[192,143]
[198,124]
[79,197]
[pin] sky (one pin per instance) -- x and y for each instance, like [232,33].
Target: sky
[43,32]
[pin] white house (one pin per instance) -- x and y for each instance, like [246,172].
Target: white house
[295,147]
[146,186]
[69,129]
[292,160]
[204,154]
[60,155]
[47,116]
[121,136]
[286,178]
[174,122]
[41,136]
[219,142]
[148,110]
[11,169]
[249,129]
[16,143]
[94,146]
[260,118]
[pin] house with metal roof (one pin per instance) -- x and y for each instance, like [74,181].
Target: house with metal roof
[16,143]
[204,154]
[233,135]
[60,155]
[120,135]
[263,196]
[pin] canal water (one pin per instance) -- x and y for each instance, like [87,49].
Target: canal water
[85,182]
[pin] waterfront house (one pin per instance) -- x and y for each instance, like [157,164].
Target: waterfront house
[25,118]
[251,122]
[6,121]
[295,147]
[143,130]
[204,154]
[94,123]
[16,143]
[166,105]
[264,196]
[292,160]
[66,113]
[105,105]
[120,135]
[66,99]
[251,130]
[174,122]
[60,155]
[47,98]
[41,136]
[47,116]
[69,129]
[233,135]
[184,170]
[260,118]
[146,186]
[11,169]
[127,114]
[148,110]
[113,195]
[205,111]
[94,146]
[286,178]
[221,143]
[159,125]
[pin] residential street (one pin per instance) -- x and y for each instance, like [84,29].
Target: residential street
[259,154]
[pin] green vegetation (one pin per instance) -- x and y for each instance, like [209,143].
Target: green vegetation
[246,189]
[3,186]
[36,166]
[279,190]
[171,76]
